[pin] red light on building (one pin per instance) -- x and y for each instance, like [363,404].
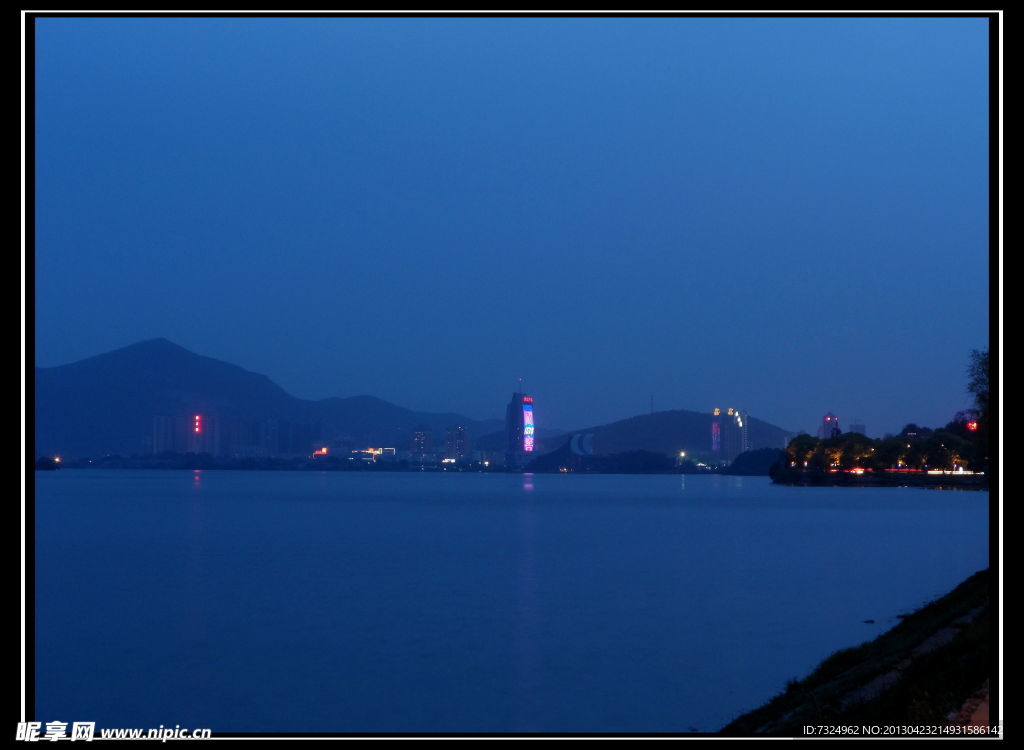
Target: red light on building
[527,399]
[972,426]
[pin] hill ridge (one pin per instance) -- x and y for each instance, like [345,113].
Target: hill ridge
[108,403]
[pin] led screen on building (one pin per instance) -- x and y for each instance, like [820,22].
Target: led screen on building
[527,427]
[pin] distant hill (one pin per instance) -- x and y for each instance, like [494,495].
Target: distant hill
[670,432]
[664,432]
[107,404]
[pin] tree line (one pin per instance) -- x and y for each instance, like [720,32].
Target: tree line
[963,443]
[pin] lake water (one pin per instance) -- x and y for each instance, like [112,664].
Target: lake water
[407,602]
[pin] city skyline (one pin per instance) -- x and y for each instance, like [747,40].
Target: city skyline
[855,425]
[789,215]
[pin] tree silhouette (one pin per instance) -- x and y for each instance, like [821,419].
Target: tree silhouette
[977,384]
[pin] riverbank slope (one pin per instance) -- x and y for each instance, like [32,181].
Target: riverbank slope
[920,673]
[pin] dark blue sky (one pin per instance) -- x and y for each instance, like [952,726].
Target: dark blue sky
[784,215]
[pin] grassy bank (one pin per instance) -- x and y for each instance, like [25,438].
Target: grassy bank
[918,673]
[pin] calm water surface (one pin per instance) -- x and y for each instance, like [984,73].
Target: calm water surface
[405,602]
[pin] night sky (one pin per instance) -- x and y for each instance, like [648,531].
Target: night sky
[784,215]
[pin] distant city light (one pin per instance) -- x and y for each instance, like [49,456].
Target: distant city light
[972,426]
[320,451]
[56,459]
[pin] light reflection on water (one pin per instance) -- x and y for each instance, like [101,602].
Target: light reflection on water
[294,601]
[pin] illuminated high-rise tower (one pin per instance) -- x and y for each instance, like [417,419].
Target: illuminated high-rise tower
[195,433]
[829,427]
[456,443]
[729,433]
[519,429]
[421,441]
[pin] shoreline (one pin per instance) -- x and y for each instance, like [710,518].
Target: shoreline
[933,481]
[930,671]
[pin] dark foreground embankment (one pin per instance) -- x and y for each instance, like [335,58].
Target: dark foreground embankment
[917,674]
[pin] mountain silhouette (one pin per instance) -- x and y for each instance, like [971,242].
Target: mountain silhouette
[663,432]
[677,430]
[107,404]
